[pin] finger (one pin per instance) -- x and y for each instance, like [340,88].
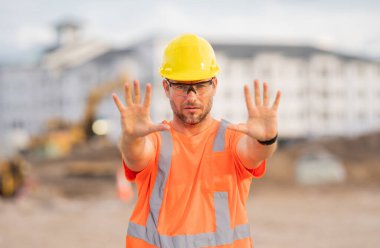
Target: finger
[136,88]
[242,128]
[257,93]
[248,99]
[158,127]
[127,94]
[148,93]
[277,101]
[266,94]
[118,103]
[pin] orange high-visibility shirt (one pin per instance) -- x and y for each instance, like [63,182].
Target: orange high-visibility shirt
[193,193]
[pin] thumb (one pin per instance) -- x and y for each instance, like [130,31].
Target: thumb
[159,127]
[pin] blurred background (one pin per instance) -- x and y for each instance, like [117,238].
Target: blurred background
[61,183]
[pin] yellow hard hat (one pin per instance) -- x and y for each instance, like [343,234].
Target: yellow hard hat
[188,58]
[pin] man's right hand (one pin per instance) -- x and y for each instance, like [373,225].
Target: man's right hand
[136,125]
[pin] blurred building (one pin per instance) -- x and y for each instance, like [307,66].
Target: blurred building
[58,87]
[324,93]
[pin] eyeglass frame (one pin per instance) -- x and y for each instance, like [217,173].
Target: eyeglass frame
[190,87]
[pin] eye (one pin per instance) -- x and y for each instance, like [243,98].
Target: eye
[201,86]
[179,86]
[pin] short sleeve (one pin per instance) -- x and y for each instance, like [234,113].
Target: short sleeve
[241,166]
[130,174]
[259,171]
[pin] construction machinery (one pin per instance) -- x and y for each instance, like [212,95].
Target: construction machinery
[70,144]
[61,136]
[12,176]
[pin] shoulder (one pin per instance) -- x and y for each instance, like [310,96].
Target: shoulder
[230,134]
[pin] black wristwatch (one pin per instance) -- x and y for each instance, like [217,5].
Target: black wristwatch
[268,142]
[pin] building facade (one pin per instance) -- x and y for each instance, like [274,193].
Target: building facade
[323,93]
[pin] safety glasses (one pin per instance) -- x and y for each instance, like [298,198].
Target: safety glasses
[182,89]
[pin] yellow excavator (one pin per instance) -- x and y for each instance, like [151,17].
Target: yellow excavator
[12,176]
[58,140]
[61,136]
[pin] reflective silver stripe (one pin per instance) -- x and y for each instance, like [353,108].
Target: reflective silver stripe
[223,234]
[187,241]
[219,138]
[222,217]
[155,202]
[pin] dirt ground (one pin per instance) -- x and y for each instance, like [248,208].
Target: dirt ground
[72,205]
[328,216]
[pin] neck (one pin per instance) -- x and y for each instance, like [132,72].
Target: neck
[191,129]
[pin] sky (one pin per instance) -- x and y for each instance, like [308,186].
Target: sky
[27,27]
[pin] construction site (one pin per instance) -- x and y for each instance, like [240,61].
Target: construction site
[66,187]
[80,198]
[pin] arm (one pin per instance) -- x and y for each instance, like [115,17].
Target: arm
[136,148]
[253,152]
[261,125]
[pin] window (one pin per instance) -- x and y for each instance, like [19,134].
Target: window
[325,116]
[324,72]
[361,115]
[17,124]
[361,93]
[324,93]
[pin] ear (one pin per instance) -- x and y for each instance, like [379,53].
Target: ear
[166,88]
[215,85]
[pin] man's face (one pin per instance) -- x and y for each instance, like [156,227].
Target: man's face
[193,104]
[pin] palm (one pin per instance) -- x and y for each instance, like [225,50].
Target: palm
[135,116]
[135,121]
[262,118]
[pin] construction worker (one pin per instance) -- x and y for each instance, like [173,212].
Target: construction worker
[193,173]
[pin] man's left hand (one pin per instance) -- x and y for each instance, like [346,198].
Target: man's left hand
[262,118]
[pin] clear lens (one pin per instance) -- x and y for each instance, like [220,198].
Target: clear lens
[183,89]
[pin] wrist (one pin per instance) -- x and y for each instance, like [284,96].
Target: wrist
[269,141]
[131,140]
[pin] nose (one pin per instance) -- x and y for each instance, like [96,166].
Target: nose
[191,95]
[191,89]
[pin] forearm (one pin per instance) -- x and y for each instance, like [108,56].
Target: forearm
[135,152]
[251,150]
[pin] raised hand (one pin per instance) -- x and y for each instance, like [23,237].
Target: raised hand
[262,118]
[135,117]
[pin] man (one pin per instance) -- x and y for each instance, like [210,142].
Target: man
[193,173]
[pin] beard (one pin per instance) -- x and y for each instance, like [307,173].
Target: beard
[191,118]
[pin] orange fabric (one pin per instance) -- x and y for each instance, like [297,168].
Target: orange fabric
[241,243]
[137,243]
[196,172]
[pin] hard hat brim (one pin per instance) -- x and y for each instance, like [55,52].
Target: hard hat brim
[189,76]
